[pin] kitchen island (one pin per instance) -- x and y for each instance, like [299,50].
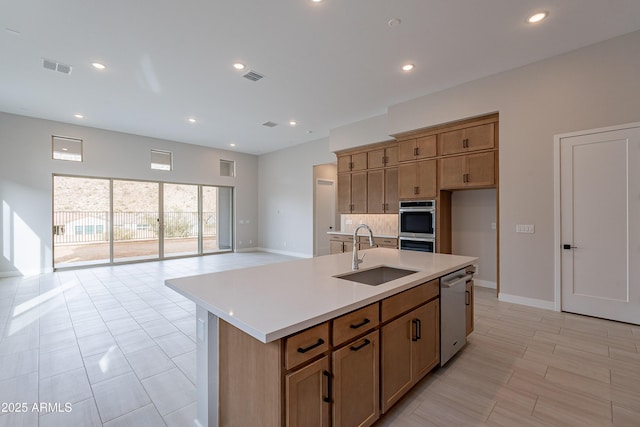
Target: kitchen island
[259,328]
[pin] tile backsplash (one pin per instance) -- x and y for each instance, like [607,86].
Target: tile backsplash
[381,224]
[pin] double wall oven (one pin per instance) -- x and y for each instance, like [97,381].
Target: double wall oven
[417,225]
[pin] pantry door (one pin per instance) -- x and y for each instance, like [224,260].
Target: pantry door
[600,224]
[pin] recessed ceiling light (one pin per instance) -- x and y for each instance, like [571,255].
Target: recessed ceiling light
[394,22]
[98,66]
[316,1]
[78,116]
[191,120]
[407,67]
[232,145]
[292,123]
[239,66]
[537,17]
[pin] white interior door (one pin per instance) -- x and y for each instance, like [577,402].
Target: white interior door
[600,223]
[325,214]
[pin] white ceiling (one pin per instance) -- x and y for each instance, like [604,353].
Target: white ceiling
[325,64]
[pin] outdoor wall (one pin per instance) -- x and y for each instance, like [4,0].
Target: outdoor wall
[588,88]
[26,170]
[285,189]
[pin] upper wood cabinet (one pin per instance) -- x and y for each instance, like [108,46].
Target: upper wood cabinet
[352,162]
[382,191]
[469,139]
[352,192]
[417,148]
[472,170]
[383,157]
[417,180]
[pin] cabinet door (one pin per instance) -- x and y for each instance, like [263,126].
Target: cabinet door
[390,190]
[375,159]
[426,179]
[470,139]
[481,169]
[344,163]
[452,172]
[344,193]
[335,248]
[407,173]
[406,150]
[425,349]
[391,156]
[347,247]
[356,390]
[359,162]
[307,402]
[358,192]
[469,306]
[395,344]
[425,147]
[376,191]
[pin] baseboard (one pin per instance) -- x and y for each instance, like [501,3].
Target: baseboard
[7,274]
[531,302]
[279,252]
[485,283]
[28,273]
[248,250]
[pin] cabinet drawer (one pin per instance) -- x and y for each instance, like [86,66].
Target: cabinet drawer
[306,345]
[405,301]
[355,323]
[340,238]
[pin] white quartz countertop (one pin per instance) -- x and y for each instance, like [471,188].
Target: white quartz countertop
[272,301]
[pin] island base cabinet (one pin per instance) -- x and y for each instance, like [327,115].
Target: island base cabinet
[356,389]
[307,399]
[410,349]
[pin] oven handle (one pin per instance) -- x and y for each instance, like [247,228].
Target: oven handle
[454,282]
[418,239]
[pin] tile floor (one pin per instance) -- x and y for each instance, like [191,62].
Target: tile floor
[114,342]
[119,346]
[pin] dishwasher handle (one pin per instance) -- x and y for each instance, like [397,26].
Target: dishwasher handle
[454,282]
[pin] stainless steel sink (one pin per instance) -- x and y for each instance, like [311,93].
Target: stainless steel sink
[376,276]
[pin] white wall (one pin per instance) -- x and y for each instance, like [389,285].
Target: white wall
[26,170]
[368,131]
[285,189]
[592,87]
[472,213]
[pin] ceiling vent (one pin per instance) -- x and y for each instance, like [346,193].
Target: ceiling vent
[253,76]
[270,124]
[52,65]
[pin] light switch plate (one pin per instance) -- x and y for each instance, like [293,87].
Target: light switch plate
[525,228]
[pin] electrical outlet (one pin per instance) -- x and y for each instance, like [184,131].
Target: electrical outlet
[493,225]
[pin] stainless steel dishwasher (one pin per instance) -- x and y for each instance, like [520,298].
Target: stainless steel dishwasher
[453,331]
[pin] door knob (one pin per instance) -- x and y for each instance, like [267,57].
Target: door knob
[568,247]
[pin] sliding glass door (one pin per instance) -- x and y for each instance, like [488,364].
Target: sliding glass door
[180,223]
[107,221]
[136,220]
[81,221]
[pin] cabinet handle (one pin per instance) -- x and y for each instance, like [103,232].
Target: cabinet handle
[361,324]
[467,298]
[419,322]
[465,143]
[384,207]
[415,190]
[363,345]
[328,398]
[350,166]
[465,177]
[415,336]
[311,347]
[415,151]
[385,160]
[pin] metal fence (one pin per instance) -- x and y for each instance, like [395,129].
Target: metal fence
[93,226]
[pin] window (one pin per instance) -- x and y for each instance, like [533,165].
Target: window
[161,160]
[99,229]
[227,168]
[88,229]
[64,148]
[78,230]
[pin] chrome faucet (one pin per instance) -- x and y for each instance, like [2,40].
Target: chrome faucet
[357,261]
